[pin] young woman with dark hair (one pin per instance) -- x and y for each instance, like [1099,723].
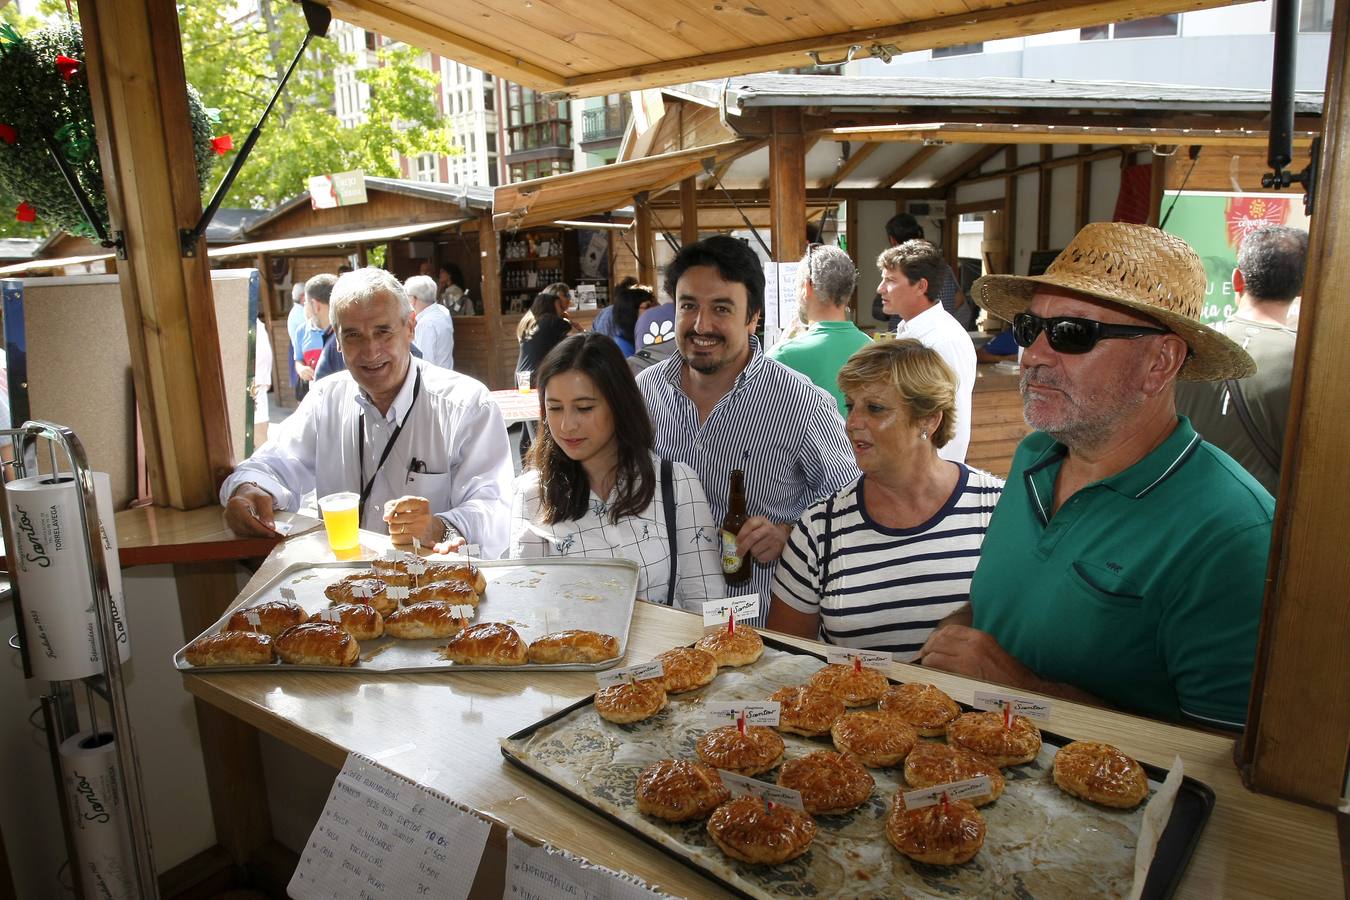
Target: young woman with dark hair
[549,326]
[593,488]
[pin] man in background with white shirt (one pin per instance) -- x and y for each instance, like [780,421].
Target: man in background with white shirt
[435,331]
[424,447]
[910,275]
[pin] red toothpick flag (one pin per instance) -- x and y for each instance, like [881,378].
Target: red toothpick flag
[1007,716]
[8,134]
[945,808]
[857,664]
[67,67]
[222,144]
[26,212]
[731,621]
[740,721]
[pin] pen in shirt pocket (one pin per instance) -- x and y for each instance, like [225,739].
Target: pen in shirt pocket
[417,467]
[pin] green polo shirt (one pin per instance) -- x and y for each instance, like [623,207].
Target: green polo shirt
[820,353]
[1144,589]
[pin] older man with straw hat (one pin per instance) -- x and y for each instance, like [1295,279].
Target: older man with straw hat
[1125,562]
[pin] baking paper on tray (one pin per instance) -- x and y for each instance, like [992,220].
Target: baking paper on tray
[1156,814]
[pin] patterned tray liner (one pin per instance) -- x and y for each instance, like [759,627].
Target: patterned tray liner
[1041,843]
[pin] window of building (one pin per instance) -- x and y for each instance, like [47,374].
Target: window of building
[1154,26]
[424,167]
[958,50]
[1313,16]
[371,40]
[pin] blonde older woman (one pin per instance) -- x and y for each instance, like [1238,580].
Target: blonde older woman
[878,564]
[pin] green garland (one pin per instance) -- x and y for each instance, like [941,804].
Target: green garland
[49,95]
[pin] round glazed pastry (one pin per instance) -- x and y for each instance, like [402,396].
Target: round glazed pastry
[467,573]
[231,648]
[687,669]
[930,763]
[921,705]
[373,592]
[878,739]
[624,704]
[274,617]
[678,790]
[806,710]
[427,619]
[446,592]
[830,783]
[1100,773]
[944,834]
[983,733]
[752,831]
[733,648]
[486,644]
[574,647]
[360,621]
[755,750]
[317,644]
[855,686]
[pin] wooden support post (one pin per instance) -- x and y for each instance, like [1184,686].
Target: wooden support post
[1010,214]
[787,184]
[1157,182]
[139,102]
[1083,195]
[1044,182]
[1298,726]
[490,296]
[361,259]
[688,210]
[646,246]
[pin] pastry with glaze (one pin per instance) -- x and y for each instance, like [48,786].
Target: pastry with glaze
[924,706]
[231,648]
[371,591]
[944,834]
[357,619]
[317,644]
[806,710]
[427,619]
[445,592]
[1100,773]
[733,648]
[752,831]
[930,764]
[750,752]
[687,669]
[486,644]
[830,783]
[274,617]
[878,739]
[678,790]
[574,646]
[624,704]
[855,685]
[984,733]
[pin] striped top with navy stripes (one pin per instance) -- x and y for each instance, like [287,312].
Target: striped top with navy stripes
[886,588]
[782,430]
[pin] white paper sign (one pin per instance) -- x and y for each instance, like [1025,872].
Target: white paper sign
[541,873]
[251,617]
[288,593]
[362,592]
[641,672]
[758,712]
[462,611]
[332,614]
[780,299]
[739,785]
[993,701]
[417,566]
[870,659]
[715,612]
[393,556]
[381,835]
[397,594]
[957,790]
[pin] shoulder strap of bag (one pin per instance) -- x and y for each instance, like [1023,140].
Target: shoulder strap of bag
[668,506]
[827,548]
[1245,416]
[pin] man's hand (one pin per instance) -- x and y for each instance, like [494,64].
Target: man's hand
[304,372]
[969,651]
[410,517]
[762,539]
[248,512]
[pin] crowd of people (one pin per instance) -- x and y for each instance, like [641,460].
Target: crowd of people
[1122,562]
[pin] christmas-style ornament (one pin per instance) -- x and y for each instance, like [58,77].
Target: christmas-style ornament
[25,212]
[67,66]
[222,145]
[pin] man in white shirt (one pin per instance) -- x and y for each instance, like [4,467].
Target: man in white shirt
[435,332]
[424,447]
[910,276]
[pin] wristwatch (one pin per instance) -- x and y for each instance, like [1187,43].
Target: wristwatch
[450,530]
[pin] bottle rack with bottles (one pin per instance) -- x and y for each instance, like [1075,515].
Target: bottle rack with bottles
[531,261]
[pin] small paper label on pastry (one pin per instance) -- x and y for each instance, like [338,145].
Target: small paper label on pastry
[715,612]
[994,701]
[392,556]
[641,672]
[288,594]
[470,551]
[957,790]
[251,617]
[739,785]
[462,611]
[397,593]
[870,659]
[417,567]
[362,592]
[759,712]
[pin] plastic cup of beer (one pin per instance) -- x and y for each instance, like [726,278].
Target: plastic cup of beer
[523,382]
[341,519]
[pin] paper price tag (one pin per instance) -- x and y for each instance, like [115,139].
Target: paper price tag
[330,615]
[957,790]
[417,546]
[462,611]
[396,593]
[994,701]
[870,659]
[716,612]
[362,592]
[392,556]
[251,617]
[641,672]
[288,594]
[739,786]
[417,566]
[470,551]
[761,712]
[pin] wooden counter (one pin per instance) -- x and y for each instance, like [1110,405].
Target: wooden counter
[442,730]
[156,534]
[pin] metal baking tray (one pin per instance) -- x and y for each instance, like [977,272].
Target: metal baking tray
[533,596]
[1040,842]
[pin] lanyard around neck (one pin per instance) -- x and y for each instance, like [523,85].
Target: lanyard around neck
[367,486]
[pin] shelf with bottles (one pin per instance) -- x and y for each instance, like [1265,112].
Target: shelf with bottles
[533,246]
[529,280]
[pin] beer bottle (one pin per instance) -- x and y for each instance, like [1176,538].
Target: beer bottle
[736,567]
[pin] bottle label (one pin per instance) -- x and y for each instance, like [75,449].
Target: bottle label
[731,560]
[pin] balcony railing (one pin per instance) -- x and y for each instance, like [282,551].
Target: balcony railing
[604,122]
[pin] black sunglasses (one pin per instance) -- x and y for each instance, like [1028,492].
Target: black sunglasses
[1067,334]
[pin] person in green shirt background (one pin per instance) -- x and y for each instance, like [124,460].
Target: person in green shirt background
[1125,562]
[825,280]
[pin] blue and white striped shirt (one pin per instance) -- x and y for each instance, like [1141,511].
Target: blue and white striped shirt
[774,424]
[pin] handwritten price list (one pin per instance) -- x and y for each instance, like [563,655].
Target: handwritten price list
[381,835]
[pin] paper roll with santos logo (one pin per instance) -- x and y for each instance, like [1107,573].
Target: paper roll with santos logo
[98,816]
[59,623]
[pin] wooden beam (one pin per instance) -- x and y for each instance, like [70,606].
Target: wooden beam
[646,248]
[1082,191]
[1074,117]
[490,294]
[688,211]
[1055,163]
[977,133]
[970,164]
[909,166]
[139,101]
[1157,181]
[856,158]
[1298,726]
[1044,183]
[720,170]
[760,195]
[787,188]
[1010,209]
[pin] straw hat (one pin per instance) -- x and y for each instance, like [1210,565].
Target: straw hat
[1142,268]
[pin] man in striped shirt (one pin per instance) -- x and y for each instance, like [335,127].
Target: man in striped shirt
[720,405]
